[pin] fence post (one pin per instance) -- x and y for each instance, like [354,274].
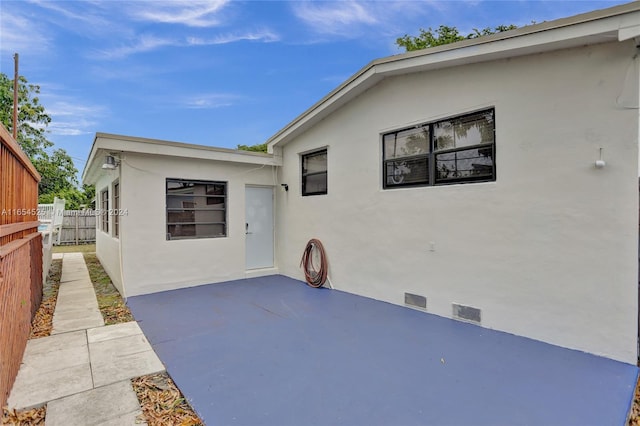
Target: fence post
[76,214]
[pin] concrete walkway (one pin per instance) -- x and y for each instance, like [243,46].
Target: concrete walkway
[83,370]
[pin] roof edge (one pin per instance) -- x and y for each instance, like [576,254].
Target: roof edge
[109,142]
[527,30]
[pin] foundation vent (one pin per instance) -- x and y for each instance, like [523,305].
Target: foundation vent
[415,300]
[467,313]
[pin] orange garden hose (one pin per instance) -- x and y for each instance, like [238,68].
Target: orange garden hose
[314,277]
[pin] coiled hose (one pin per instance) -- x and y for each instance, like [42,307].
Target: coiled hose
[314,277]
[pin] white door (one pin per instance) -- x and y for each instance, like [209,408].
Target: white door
[259,227]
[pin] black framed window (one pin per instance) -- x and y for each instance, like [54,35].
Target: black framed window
[196,209]
[456,150]
[314,173]
[104,210]
[116,209]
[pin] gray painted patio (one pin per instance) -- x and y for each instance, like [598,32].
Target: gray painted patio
[272,351]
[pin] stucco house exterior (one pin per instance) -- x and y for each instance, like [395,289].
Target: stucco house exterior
[195,195]
[493,180]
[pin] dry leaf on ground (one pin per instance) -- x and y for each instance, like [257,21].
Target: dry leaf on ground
[162,403]
[33,417]
[634,418]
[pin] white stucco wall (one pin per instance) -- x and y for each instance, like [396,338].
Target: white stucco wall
[150,262]
[107,245]
[548,251]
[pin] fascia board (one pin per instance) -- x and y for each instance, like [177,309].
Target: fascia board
[336,98]
[105,144]
[559,38]
[498,46]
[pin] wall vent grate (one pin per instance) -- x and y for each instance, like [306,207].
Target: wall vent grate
[467,313]
[415,300]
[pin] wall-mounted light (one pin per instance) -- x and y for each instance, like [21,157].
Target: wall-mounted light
[600,163]
[284,186]
[110,163]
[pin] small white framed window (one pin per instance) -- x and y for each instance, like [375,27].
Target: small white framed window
[314,173]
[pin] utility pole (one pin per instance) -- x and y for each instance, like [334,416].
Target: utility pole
[15,98]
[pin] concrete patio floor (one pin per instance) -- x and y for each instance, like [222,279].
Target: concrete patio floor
[272,351]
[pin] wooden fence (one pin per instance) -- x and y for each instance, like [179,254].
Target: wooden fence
[20,257]
[78,227]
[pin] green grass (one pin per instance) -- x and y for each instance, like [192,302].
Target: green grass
[81,248]
[110,302]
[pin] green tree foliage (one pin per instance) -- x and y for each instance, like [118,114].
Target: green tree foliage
[444,35]
[75,198]
[32,117]
[55,166]
[254,148]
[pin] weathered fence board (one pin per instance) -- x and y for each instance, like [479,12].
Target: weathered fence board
[20,257]
[78,227]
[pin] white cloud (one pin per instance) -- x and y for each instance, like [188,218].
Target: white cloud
[372,20]
[70,116]
[143,43]
[20,34]
[189,13]
[335,17]
[147,43]
[88,19]
[84,14]
[210,100]
[265,36]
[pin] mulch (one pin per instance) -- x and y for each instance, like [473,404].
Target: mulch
[162,403]
[634,417]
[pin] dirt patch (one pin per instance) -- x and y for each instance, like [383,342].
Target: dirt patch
[111,305]
[162,403]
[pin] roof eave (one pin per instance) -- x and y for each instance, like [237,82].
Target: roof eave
[616,23]
[110,143]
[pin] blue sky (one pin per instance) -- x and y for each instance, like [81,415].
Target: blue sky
[217,73]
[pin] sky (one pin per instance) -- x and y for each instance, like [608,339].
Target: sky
[217,73]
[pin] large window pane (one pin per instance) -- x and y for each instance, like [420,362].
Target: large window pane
[468,164]
[190,202]
[469,130]
[196,209]
[407,172]
[455,150]
[315,184]
[178,232]
[406,143]
[313,163]
[195,216]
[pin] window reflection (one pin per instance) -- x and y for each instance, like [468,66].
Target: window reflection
[196,209]
[456,150]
